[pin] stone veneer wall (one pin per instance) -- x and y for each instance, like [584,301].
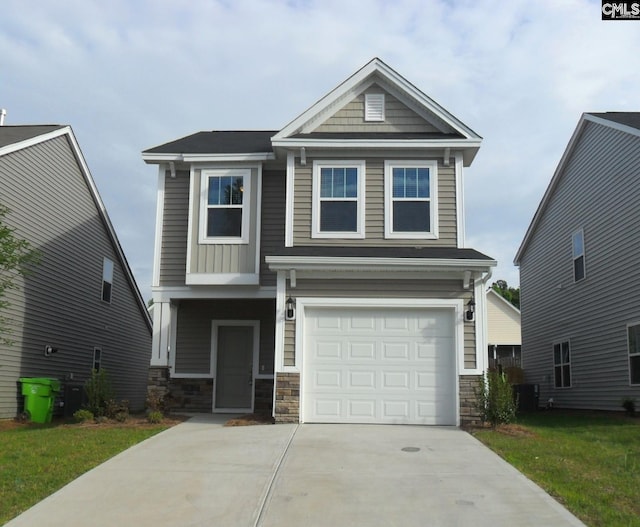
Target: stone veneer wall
[469,415]
[263,402]
[287,398]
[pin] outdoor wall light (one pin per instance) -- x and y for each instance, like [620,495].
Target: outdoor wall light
[469,314]
[49,350]
[290,309]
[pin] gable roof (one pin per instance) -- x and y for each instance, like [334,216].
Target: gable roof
[15,138]
[453,132]
[500,300]
[627,122]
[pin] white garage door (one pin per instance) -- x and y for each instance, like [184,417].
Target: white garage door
[379,366]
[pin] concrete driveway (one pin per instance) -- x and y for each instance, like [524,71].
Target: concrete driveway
[202,474]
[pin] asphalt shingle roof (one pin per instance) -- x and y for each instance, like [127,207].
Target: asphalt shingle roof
[627,118]
[219,142]
[14,134]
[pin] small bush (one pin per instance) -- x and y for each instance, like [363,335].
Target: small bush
[114,408]
[83,415]
[495,400]
[99,392]
[629,404]
[121,417]
[101,419]
[157,400]
[155,417]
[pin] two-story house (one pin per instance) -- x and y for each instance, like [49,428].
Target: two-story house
[579,274]
[319,272]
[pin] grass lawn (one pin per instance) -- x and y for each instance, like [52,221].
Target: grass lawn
[36,460]
[589,461]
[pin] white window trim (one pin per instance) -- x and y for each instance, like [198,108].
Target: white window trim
[374,115]
[389,233]
[359,233]
[629,354]
[553,357]
[574,257]
[205,174]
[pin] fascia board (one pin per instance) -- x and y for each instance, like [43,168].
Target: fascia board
[612,124]
[372,263]
[204,158]
[550,189]
[160,158]
[26,143]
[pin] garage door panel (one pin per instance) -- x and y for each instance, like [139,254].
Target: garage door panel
[379,366]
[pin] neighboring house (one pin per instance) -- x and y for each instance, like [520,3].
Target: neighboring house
[503,330]
[579,273]
[319,272]
[80,303]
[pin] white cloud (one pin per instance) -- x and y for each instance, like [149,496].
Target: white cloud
[130,74]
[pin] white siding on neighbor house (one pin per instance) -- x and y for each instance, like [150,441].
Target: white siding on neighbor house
[598,192]
[503,322]
[59,303]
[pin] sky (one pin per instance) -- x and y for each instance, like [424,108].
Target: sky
[128,75]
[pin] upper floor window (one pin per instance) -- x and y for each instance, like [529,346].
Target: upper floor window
[410,199]
[633,342]
[224,206]
[577,244]
[562,364]
[107,279]
[338,202]
[97,358]
[374,107]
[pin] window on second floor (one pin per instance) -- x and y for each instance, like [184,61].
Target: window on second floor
[224,215]
[633,342]
[97,358]
[107,280]
[562,364]
[338,199]
[410,199]
[577,246]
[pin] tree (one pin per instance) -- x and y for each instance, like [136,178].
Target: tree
[16,257]
[512,294]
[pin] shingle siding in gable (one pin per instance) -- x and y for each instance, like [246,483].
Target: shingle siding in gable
[597,192]
[398,117]
[59,303]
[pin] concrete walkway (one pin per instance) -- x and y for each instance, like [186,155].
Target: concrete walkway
[202,474]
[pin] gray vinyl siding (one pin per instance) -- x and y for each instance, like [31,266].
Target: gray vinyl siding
[597,192]
[398,117]
[273,220]
[173,257]
[224,258]
[193,334]
[374,208]
[59,303]
[379,289]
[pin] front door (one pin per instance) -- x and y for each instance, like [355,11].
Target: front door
[234,368]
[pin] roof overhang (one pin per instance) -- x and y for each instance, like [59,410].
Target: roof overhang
[359,264]
[152,158]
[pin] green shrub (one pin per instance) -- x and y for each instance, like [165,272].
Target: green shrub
[155,417]
[629,404]
[495,400]
[121,417]
[98,391]
[83,415]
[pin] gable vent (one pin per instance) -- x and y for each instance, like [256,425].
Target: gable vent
[374,107]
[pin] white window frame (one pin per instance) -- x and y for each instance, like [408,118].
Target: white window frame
[575,256]
[245,173]
[359,233]
[389,200]
[629,326]
[108,268]
[374,107]
[561,364]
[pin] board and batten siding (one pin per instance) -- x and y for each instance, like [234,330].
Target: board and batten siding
[175,220]
[598,192]
[59,303]
[223,258]
[273,220]
[379,289]
[374,209]
[194,331]
[398,117]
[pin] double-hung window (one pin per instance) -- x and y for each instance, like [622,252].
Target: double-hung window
[577,247]
[411,199]
[633,341]
[224,215]
[562,364]
[338,203]
[107,279]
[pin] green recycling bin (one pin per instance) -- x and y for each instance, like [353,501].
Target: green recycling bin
[39,396]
